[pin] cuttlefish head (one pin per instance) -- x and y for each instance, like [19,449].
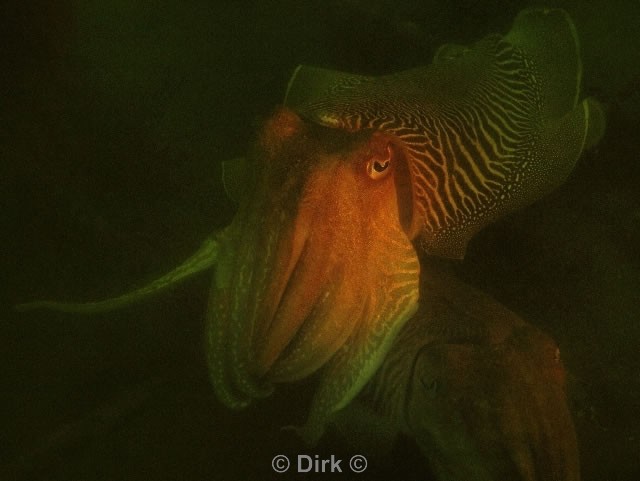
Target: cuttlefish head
[482,411]
[318,248]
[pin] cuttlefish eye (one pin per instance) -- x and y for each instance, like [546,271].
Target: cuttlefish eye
[379,166]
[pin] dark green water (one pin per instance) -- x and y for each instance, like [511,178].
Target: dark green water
[113,121]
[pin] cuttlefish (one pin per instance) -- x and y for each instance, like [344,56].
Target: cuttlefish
[482,392]
[352,181]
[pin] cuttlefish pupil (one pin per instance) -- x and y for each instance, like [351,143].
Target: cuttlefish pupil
[377,166]
[380,167]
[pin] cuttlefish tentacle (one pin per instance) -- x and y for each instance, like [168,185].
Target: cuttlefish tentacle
[204,258]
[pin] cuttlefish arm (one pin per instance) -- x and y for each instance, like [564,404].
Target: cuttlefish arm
[204,258]
[357,360]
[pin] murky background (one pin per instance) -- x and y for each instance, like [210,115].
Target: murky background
[114,117]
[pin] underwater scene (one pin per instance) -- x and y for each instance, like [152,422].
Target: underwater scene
[315,239]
